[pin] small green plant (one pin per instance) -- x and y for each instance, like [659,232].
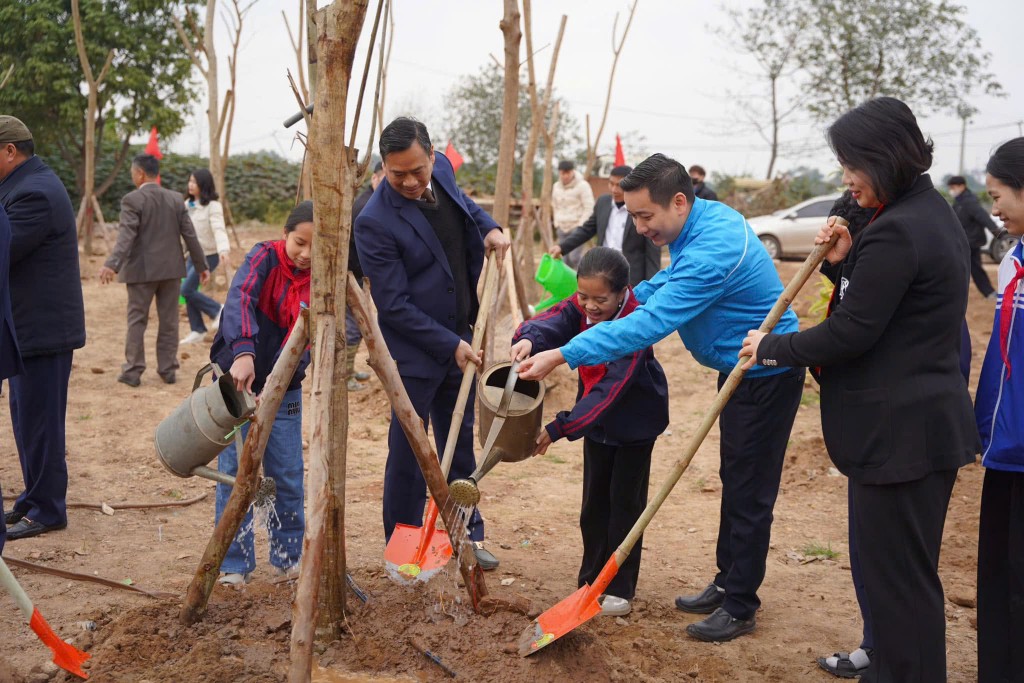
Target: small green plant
[699,484]
[810,398]
[819,308]
[819,550]
[551,457]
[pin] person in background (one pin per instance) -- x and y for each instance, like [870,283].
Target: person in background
[999,407]
[207,216]
[352,334]
[621,409]
[572,201]
[895,411]
[422,243]
[700,188]
[715,289]
[263,304]
[975,221]
[147,258]
[614,228]
[49,319]
[10,356]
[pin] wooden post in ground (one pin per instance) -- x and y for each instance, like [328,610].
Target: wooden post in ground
[384,365]
[247,478]
[332,168]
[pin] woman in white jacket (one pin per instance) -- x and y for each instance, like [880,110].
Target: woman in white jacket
[207,216]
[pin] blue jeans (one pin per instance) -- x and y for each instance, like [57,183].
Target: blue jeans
[197,303]
[282,461]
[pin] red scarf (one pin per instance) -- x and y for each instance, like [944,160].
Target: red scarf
[288,281]
[1006,316]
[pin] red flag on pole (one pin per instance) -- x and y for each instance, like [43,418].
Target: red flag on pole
[153,147]
[620,157]
[453,156]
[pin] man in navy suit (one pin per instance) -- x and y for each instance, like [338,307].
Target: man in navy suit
[422,241]
[10,357]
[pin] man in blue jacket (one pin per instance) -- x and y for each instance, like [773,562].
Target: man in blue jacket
[10,356]
[46,299]
[720,284]
[421,241]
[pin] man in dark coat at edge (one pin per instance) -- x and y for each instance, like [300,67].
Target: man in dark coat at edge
[975,221]
[10,356]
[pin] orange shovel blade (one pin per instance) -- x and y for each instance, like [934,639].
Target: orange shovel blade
[417,553]
[65,656]
[576,609]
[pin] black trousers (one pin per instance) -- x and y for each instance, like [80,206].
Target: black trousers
[1001,578]
[39,403]
[755,428]
[615,482]
[978,273]
[899,533]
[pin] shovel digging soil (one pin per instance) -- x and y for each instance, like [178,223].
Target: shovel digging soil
[416,554]
[582,605]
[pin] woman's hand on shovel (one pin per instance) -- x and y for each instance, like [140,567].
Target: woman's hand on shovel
[540,366]
[464,354]
[749,348]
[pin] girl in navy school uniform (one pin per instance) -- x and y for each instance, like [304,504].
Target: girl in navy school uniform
[999,409]
[262,305]
[621,408]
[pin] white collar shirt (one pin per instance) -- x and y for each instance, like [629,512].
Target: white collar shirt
[616,230]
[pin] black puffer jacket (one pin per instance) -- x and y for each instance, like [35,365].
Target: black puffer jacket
[46,288]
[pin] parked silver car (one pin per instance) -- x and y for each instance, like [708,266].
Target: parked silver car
[790,232]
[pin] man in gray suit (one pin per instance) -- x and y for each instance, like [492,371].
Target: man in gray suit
[614,228]
[148,258]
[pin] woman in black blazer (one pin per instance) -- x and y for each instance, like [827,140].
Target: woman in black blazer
[895,411]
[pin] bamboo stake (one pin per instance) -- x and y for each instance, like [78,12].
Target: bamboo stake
[384,365]
[247,478]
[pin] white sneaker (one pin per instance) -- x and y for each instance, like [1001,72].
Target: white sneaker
[615,607]
[215,323]
[193,337]
[234,579]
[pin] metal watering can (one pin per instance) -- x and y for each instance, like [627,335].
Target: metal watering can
[510,411]
[202,426]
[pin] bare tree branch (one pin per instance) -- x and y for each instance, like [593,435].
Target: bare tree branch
[616,51]
[366,74]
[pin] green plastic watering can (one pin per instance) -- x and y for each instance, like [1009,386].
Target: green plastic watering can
[557,279]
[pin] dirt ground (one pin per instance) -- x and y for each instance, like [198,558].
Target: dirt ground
[531,509]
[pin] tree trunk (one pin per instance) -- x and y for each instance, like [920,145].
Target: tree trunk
[775,129]
[247,478]
[337,33]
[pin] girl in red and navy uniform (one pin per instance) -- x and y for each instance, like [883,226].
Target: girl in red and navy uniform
[621,408]
[263,304]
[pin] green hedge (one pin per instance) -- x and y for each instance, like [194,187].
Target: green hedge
[261,185]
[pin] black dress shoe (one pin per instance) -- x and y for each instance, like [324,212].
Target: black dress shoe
[721,627]
[13,516]
[26,528]
[484,558]
[130,381]
[705,602]
[169,379]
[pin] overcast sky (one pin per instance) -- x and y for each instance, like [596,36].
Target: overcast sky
[675,84]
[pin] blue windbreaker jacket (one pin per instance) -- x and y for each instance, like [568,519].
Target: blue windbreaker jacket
[999,403]
[720,284]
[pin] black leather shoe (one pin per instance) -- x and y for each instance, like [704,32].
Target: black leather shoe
[705,602]
[721,627]
[130,381]
[169,379]
[26,528]
[484,558]
[13,517]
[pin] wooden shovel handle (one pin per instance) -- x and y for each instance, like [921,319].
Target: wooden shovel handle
[486,304]
[815,258]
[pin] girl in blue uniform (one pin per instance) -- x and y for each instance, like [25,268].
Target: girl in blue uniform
[999,409]
[621,408]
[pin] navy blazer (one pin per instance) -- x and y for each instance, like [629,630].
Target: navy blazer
[10,356]
[46,288]
[410,280]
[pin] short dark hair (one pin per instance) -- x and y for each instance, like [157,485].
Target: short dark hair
[607,263]
[207,188]
[663,177]
[881,139]
[566,165]
[378,167]
[1007,164]
[621,171]
[956,180]
[148,164]
[302,213]
[697,168]
[399,135]
[25,147]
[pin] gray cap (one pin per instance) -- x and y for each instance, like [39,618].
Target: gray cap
[13,130]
